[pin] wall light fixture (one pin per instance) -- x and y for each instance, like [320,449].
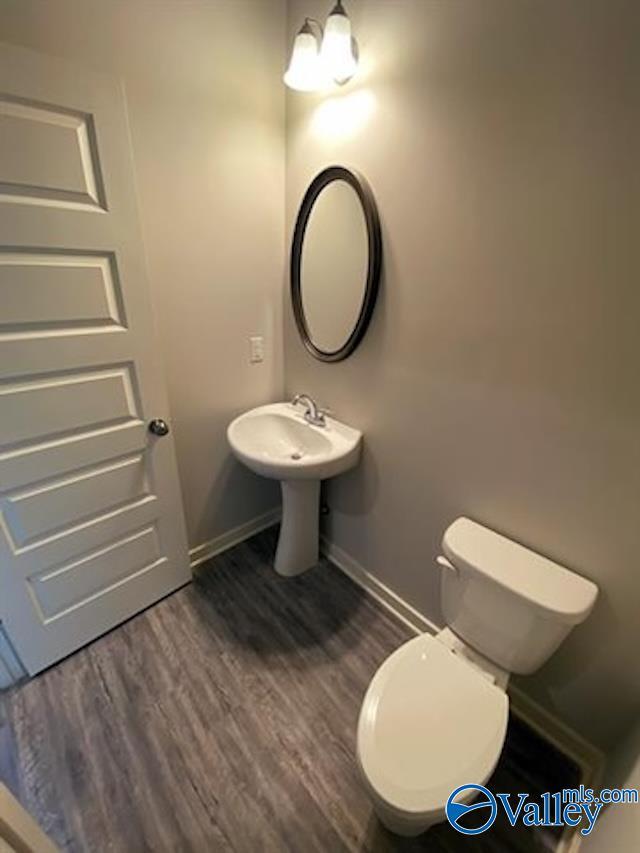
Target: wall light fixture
[321,56]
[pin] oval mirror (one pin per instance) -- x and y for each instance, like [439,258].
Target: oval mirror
[336,258]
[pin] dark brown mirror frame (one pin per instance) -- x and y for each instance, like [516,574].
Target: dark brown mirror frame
[374,266]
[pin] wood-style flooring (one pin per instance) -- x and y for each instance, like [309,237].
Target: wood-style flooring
[224,719]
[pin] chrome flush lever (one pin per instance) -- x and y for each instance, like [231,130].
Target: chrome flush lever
[445,564]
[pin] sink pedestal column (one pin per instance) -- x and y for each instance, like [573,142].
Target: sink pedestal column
[298,543]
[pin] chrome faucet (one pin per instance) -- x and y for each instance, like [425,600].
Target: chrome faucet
[313,415]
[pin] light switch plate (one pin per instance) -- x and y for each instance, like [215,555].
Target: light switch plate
[256,349]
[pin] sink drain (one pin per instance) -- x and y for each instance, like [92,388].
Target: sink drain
[296,455]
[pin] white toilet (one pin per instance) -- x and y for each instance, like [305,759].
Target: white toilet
[435,714]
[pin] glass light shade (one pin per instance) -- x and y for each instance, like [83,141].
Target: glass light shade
[337,47]
[305,72]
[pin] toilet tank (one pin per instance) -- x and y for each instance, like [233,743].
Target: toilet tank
[512,605]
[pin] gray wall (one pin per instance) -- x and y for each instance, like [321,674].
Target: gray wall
[500,376]
[206,109]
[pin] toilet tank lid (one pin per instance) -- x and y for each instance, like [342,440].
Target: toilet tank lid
[560,592]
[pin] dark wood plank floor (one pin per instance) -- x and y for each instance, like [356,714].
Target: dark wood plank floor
[223,718]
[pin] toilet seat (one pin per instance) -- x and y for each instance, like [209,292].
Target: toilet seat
[430,722]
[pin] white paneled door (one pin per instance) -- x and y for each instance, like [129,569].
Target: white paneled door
[91,525]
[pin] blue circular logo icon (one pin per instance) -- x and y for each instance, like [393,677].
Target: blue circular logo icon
[482,799]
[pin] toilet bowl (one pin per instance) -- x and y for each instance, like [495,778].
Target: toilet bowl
[435,714]
[430,722]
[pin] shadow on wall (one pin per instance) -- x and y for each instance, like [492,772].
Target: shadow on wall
[235,493]
[358,488]
[560,684]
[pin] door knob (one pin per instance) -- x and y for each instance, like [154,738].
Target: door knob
[158,427]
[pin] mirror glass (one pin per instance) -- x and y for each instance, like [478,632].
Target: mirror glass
[333,270]
[336,256]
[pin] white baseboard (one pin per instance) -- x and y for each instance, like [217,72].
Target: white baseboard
[587,757]
[202,553]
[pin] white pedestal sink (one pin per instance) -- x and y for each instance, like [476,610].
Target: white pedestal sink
[277,442]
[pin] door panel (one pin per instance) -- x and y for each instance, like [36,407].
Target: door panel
[91,526]
[40,461]
[58,405]
[83,537]
[56,505]
[46,294]
[69,585]
[47,154]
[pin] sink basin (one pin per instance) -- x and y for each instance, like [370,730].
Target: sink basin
[277,442]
